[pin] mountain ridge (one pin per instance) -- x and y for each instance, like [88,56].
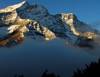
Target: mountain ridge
[25,21]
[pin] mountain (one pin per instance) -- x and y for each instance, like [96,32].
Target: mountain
[24,21]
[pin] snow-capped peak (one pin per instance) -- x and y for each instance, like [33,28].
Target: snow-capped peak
[13,7]
[35,22]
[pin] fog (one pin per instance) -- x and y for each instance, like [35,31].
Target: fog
[95,25]
[33,58]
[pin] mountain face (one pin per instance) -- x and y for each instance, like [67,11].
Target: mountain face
[24,21]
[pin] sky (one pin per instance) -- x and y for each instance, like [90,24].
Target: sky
[87,11]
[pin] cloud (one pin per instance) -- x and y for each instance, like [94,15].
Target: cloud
[32,59]
[95,24]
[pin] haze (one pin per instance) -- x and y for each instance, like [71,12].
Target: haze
[33,58]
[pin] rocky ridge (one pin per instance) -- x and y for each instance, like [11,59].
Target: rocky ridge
[24,21]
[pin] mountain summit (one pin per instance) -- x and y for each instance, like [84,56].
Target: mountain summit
[24,21]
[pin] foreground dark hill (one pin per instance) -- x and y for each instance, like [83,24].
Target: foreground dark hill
[24,21]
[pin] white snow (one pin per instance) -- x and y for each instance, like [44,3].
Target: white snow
[74,31]
[13,28]
[13,7]
[24,29]
[67,24]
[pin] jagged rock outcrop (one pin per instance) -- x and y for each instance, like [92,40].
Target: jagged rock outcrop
[23,21]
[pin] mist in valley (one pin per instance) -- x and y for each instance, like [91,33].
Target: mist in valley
[33,58]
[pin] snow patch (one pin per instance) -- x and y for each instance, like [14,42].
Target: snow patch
[13,7]
[13,28]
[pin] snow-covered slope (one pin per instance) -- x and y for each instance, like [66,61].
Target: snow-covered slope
[21,5]
[24,21]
